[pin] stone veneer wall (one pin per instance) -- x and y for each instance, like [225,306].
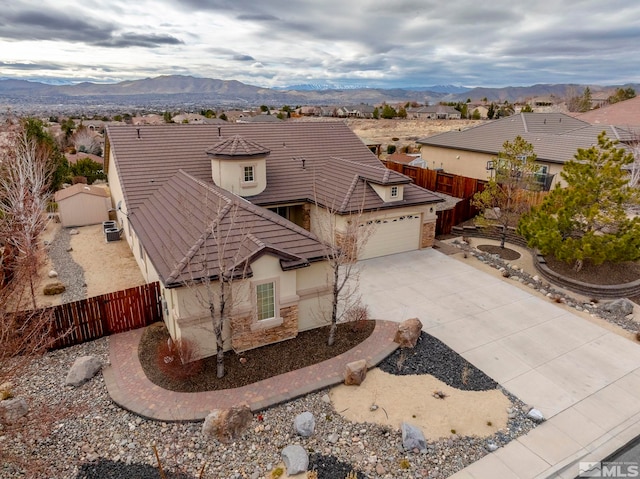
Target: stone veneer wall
[243,338]
[428,234]
[306,216]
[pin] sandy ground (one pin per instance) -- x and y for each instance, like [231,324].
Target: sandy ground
[410,399]
[406,131]
[107,267]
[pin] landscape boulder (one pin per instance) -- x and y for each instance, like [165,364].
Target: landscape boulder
[355,372]
[408,333]
[53,274]
[295,459]
[304,424]
[83,369]
[620,307]
[412,438]
[535,415]
[54,288]
[6,390]
[12,409]
[227,424]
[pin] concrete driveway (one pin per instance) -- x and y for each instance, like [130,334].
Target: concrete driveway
[584,379]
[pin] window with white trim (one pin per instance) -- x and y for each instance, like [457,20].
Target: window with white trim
[266,300]
[394,192]
[248,174]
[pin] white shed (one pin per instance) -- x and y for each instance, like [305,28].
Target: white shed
[81,205]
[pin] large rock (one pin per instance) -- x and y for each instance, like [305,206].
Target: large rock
[355,372]
[304,424]
[295,459]
[227,424]
[536,415]
[620,307]
[12,409]
[408,333]
[412,438]
[83,369]
[52,289]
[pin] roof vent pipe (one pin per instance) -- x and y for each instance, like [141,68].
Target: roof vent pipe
[219,131]
[138,130]
[303,160]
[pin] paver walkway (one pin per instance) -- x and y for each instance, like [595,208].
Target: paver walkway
[129,387]
[584,378]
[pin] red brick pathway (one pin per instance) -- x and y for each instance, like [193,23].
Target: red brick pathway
[129,387]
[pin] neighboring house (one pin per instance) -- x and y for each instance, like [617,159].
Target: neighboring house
[623,113]
[555,137]
[407,159]
[273,186]
[82,205]
[435,112]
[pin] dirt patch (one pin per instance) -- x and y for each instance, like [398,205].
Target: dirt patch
[308,348]
[108,267]
[390,400]
[606,274]
[504,253]
[404,133]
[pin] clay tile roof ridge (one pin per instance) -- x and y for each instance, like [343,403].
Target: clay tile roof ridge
[203,237]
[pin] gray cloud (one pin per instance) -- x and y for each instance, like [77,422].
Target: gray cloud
[380,43]
[138,40]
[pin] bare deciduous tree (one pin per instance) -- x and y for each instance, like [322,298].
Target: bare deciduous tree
[25,173]
[217,259]
[85,141]
[346,236]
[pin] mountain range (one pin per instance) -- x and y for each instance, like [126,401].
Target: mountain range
[182,91]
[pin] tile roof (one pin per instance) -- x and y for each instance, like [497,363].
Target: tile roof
[555,137]
[623,113]
[79,188]
[185,223]
[307,161]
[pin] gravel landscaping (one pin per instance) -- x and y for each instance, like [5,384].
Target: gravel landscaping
[102,440]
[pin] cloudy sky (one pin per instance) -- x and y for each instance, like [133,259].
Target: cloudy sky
[374,43]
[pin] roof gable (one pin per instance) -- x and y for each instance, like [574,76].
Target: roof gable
[191,230]
[80,188]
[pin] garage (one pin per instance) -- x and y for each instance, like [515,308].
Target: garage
[394,234]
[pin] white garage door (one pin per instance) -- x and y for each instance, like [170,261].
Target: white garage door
[393,235]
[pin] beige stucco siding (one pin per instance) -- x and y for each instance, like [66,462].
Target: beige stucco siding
[471,164]
[83,209]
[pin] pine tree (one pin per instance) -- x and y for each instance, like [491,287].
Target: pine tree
[586,220]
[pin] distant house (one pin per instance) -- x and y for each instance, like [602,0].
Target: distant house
[268,189]
[434,112]
[407,159]
[555,137]
[82,205]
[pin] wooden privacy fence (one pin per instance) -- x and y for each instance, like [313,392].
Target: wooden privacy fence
[454,185]
[111,313]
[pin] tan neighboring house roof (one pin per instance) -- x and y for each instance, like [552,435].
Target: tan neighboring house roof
[74,157]
[307,161]
[80,188]
[623,113]
[177,224]
[555,136]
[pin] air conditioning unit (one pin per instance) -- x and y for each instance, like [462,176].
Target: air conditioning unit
[108,225]
[112,234]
